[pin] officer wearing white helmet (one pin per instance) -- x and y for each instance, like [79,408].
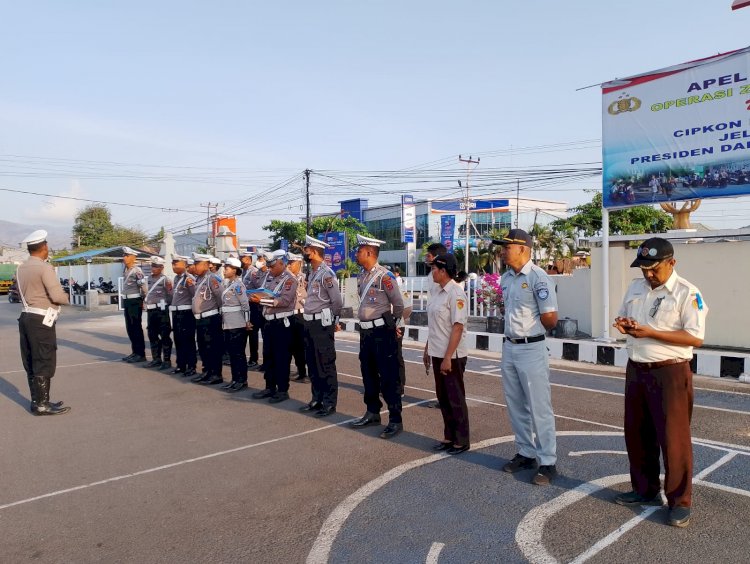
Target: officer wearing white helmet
[206,291]
[183,321]
[258,281]
[235,315]
[41,295]
[134,288]
[158,326]
[281,289]
[298,323]
[248,271]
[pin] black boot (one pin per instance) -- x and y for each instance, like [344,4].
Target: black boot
[155,357]
[32,392]
[166,358]
[42,405]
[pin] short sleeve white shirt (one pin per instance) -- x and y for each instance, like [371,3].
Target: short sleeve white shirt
[446,307]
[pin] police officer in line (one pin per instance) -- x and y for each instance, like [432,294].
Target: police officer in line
[380,308]
[206,291]
[42,295]
[530,311]
[183,321]
[214,267]
[158,326]
[277,312]
[664,317]
[322,309]
[248,270]
[298,323]
[258,281]
[134,288]
[235,318]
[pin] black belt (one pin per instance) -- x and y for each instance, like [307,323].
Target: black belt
[659,364]
[524,340]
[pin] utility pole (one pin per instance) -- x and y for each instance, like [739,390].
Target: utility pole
[518,191]
[307,199]
[467,205]
[209,232]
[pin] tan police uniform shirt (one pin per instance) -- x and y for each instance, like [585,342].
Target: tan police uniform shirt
[285,287]
[39,285]
[135,284]
[323,292]
[378,294]
[446,307]
[677,304]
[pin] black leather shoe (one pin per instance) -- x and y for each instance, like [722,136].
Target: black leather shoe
[165,365]
[252,365]
[278,397]
[326,411]
[518,463]
[189,372]
[48,409]
[300,378]
[212,381]
[261,368]
[127,358]
[391,430]
[442,446]
[154,363]
[136,358]
[199,377]
[458,449]
[312,406]
[228,385]
[263,394]
[237,387]
[178,370]
[367,419]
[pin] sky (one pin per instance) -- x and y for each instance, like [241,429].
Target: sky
[168,106]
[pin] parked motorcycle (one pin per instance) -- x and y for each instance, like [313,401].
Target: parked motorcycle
[14,296]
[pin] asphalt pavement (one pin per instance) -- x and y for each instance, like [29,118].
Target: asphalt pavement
[148,467]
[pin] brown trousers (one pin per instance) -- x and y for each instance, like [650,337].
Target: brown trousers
[452,397]
[658,409]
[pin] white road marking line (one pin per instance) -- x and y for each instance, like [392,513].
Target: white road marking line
[321,548]
[62,366]
[718,464]
[489,367]
[434,554]
[187,461]
[722,487]
[583,452]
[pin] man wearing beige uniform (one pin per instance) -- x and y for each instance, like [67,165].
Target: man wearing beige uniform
[41,295]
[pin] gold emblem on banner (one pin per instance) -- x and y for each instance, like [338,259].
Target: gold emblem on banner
[623,104]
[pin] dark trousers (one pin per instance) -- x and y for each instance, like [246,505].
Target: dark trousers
[133,309]
[658,410]
[401,365]
[257,320]
[298,343]
[159,328]
[277,354]
[183,323]
[210,343]
[452,397]
[378,361]
[234,345]
[38,349]
[320,354]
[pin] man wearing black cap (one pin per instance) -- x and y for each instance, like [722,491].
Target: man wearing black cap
[530,311]
[663,316]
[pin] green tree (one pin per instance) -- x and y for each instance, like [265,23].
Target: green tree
[93,228]
[586,219]
[294,231]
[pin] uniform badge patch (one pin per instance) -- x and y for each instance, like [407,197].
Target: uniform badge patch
[524,286]
[542,292]
[328,282]
[214,282]
[388,284]
[288,284]
[698,302]
[460,304]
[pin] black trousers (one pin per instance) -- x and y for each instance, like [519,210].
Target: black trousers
[298,343]
[234,345]
[38,348]
[401,365]
[133,309]
[320,354]
[159,329]
[452,397]
[277,353]
[183,323]
[257,320]
[378,360]
[210,343]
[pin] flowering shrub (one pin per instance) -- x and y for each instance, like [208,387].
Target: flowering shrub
[490,293]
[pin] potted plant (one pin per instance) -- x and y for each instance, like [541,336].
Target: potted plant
[490,295]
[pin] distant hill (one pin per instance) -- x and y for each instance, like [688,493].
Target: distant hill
[11,234]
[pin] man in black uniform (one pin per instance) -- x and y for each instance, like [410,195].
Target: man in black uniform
[41,294]
[206,291]
[134,288]
[256,311]
[183,321]
[157,301]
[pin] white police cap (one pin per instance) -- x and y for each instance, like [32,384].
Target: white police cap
[158,261]
[129,251]
[190,262]
[271,258]
[198,257]
[369,241]
[293,257]
[38,236]
[313,242]
[231,261]
[215,260]
[246,254]
[180,258]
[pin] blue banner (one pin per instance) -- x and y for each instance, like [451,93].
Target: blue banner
[335,257]
[447,206]
[447,226]
[284,245]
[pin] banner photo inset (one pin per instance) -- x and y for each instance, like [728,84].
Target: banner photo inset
[335,257]
[408,220]
[678,133]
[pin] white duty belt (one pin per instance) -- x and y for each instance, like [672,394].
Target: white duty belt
[379,322]
[131,296]
[180,307]
[313,316]
[226,309]
[208,313]
[35,310]
[282,315]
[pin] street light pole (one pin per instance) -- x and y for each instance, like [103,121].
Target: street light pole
[467,205]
